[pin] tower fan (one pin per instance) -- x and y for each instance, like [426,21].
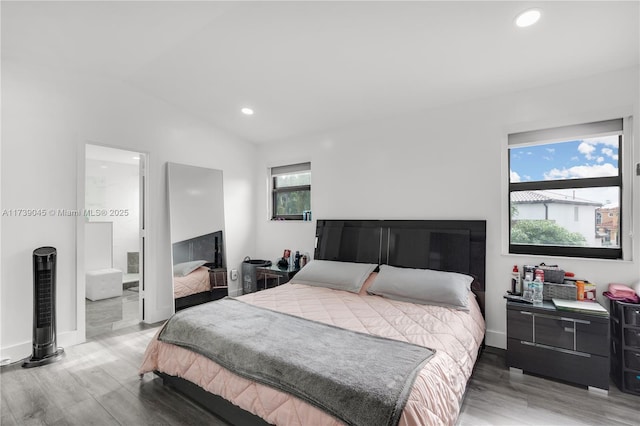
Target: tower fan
[44,309]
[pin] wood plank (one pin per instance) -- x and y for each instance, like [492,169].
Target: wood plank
[25,397]
[88,413]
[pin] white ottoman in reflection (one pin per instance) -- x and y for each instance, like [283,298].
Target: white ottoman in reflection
[103,283]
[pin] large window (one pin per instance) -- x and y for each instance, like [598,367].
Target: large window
[291,192]
[565,191]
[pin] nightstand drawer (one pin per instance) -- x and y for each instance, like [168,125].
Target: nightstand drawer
[592,337]
[586,370]
[556,332]
[520,325]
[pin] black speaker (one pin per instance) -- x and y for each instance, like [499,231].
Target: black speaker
[45,350]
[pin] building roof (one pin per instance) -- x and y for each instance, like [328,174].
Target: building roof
[611,206]
[546,197]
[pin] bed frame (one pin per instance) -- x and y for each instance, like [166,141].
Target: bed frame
[207,247]
[447,245]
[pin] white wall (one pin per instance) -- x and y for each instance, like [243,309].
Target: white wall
[115,186]
[48,115]
[449,163]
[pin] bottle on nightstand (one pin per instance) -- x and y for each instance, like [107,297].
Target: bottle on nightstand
[516,282]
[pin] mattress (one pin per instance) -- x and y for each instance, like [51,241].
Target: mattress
[195,282]
[435,397]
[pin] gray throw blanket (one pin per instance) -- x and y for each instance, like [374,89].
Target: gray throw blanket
[358,378]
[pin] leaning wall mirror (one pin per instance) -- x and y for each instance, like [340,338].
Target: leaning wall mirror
[196,216]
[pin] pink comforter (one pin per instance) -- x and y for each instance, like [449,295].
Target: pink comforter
[436,394]
[195,282]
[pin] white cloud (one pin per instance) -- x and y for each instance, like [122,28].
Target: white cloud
[600,160]
[609,153]
[551,150]
[599,170]
[606,140]
[556,174]
[513,176]
[586,149]
[588,146]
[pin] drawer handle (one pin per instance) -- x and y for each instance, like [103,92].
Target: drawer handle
[553,348]
[575,320]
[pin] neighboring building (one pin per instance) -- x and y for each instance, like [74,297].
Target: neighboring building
[608,224]
[572,213]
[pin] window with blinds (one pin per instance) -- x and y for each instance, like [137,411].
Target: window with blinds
[563,182]
[291,192]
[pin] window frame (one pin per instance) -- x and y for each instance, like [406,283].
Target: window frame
[563,134]
[275,172]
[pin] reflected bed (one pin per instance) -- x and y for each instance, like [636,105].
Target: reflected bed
[199,273]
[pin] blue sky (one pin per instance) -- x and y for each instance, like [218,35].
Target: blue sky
[594,157]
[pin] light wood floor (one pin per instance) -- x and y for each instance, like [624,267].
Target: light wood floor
[97,384]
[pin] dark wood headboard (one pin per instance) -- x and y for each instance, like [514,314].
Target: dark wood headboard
[445,245]
[207,247]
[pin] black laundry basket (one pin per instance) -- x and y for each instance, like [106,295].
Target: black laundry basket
[250,275]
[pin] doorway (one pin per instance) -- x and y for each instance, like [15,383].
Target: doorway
[114,194]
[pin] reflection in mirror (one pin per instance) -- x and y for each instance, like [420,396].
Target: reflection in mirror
[196,215]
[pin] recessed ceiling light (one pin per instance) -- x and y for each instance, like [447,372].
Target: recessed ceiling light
[528,18]
[247,111]
[135,158]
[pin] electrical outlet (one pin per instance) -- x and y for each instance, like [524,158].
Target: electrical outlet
[234,274]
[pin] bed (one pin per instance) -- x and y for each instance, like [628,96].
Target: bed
[199,272]
[404,251]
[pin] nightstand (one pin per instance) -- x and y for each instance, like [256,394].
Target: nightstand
[273,276]
[564,345]
[218,282]
[218,277]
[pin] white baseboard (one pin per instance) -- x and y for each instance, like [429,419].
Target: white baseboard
[23,350]
[235,293]
[496,339]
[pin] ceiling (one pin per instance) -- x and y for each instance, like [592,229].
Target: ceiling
[306,67]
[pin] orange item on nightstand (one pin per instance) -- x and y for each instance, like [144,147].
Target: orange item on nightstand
[580,289]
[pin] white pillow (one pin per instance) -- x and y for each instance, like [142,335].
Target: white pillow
[346,276]
[423,286]
[185,268]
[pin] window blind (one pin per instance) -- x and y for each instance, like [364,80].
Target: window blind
[556,134]
[291,168]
